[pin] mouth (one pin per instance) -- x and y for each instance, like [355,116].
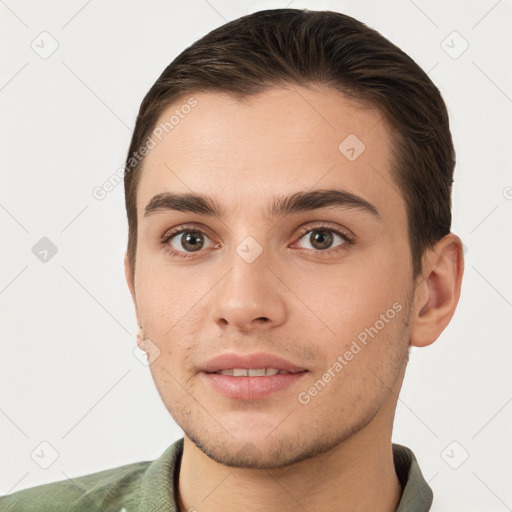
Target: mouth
[254,372]
[251,376]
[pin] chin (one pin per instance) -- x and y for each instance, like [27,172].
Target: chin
[264,453]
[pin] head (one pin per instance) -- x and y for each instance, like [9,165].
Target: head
[288,191]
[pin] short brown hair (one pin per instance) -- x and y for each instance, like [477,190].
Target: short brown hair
[304,48]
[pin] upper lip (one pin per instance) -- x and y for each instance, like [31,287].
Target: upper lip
[230,360]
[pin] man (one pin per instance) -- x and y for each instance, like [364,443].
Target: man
[288,197]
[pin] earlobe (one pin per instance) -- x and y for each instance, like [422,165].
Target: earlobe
[140,339]
[438,290]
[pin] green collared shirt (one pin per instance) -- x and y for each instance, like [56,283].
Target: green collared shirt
[150,487]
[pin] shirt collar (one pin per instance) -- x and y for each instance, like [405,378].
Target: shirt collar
[417,496]
[160,481]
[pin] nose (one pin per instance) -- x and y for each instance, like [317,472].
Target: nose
[250,297]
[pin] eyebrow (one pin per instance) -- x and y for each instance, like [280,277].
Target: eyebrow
[280,205]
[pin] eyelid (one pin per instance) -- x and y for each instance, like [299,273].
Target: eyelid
[324,225]
[184,228]
[346,234]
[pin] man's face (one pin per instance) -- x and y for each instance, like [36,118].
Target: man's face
[325,288]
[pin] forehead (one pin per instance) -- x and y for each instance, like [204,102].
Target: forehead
[286,139]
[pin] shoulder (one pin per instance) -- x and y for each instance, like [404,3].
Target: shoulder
[147,485]
[88,492]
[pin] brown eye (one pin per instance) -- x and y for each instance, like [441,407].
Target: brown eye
[322,239]
[188,241]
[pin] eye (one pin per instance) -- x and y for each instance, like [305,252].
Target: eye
[324,237]
[191,241]
[186,241]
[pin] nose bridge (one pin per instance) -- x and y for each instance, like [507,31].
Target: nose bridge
[249,294]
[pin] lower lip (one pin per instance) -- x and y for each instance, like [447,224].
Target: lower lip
[251,388]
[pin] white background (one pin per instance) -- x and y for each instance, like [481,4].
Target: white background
[68,373]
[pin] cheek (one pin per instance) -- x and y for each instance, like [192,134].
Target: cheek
[362,361]
[365,344]
[349,298]
[171,306]
[166,299]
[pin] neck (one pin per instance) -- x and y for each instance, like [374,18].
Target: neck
[357,475]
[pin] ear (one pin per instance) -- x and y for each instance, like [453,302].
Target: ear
[130,281]
[437,290]
[130,278]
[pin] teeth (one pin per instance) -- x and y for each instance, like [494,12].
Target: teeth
[256,372]
[260,372]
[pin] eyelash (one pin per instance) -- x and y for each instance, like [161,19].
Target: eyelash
[347,239]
